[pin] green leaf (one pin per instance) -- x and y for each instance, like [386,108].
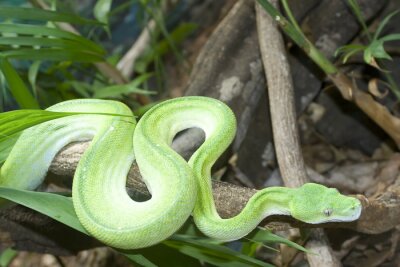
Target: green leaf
[32,75]
[208,252]
[41,42]
[375,50]
[162,255]
[17,87]
[266,236]
[358,13]
[102,9]
[36,30]
[6,145]
[140,111]
[383,24]
[13,122]
[43,15]
[139,259]
[116,91]
[176,37]
[52,54]
[57,207]
[81,88]
[7,256]
[349,50]
[390,37]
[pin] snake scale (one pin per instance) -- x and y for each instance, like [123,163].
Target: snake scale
[178,188]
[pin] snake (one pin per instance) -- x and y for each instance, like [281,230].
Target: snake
[179,189]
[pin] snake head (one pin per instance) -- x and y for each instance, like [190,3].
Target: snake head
[314,203]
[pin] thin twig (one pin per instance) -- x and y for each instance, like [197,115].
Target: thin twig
[127,63]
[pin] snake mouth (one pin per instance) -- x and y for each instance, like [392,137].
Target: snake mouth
[351,214]
[355,215]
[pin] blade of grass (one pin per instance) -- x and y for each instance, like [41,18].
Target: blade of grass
[45,203]
[46,31]
[32,75]
[17,87]
[12,122]
[53,54]
[6,145]
[212,253]
[263,235]
[13,12]
[139,259]
[355,7]
[42,42]
[119,90]
[383,24]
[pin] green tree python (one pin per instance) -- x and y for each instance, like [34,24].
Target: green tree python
[178,188]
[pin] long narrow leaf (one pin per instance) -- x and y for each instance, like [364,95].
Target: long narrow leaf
[36,30]
[383,24]
[32,75]
[139,259]
[17,87]
[13,122]
[212,253]
[60,208]
[43,15]
[266,236]
[118,90]
[41,42]
[390,37]
[45,203]
[52,54]
[6,145]
[355,7]
[162,255]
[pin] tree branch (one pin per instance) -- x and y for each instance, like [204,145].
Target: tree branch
[25,229]
[230,199]
[284,124]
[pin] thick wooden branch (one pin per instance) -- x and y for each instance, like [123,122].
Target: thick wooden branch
[284,124]
[26,229]
[230,199]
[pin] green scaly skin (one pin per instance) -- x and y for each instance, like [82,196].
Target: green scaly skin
[178,189]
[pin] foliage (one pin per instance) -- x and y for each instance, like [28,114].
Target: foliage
[375,49]
[374,52]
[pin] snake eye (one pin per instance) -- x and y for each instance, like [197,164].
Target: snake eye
[328,212]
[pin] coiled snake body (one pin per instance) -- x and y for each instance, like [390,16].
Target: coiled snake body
[178,188]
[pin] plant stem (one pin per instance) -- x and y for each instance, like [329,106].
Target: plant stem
[293,30]
[355,7]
